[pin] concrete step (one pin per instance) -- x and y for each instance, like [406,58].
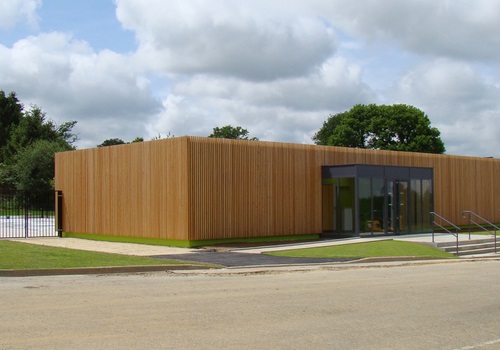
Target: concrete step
[465,247]
[463,242]
[470,247]
[475,251]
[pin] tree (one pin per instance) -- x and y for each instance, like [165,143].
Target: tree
[34,166]
[34,126]
[7,180]
[138,139]
[159,137]
[111,142]
[11,111]
[230,132]
[117,141]
[25,161]
[398,128]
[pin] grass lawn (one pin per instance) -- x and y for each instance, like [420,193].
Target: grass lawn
[367,250]
[18,256]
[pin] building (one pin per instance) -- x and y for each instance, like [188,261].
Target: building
[189,191]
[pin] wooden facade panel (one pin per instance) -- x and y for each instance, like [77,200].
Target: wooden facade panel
[247,189]
[137,190]
[193,188]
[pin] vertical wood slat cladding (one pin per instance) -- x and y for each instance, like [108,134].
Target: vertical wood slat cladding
[248,189]
[275,189]
[193,188]
[137,190]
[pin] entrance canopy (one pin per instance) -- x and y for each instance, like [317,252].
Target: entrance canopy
[365,199]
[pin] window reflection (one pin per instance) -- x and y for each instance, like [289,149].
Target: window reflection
[371,200]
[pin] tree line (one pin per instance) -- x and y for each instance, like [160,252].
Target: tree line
[28,143]
[397,127]
[29,140]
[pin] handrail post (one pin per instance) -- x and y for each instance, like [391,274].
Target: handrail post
[433,218]
[444,228]
[470,220]
[486,222]
[495,232]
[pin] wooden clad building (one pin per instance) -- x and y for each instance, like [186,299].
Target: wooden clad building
[188,190]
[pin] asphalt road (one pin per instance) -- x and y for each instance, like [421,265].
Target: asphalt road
[453,305]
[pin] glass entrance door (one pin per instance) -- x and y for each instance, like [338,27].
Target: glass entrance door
[398,200]
[403,206]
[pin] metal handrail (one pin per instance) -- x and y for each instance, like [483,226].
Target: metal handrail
[494,233]
[444,228]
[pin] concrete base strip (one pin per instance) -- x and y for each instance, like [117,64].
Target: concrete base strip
[98,270]
[394,258]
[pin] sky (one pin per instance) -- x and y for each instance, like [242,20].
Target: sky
[278,68]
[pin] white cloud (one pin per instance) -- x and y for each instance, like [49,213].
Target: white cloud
[103,91]
[335,85]
[461,29]
[460,102]
[290,109]
[14,11]
[197,116]
[227,38]
[277,68]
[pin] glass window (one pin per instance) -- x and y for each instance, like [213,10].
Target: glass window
[365,205]
[416,205]
[427,205]
[378,191]
[402,210]
[328,206]
[345,211]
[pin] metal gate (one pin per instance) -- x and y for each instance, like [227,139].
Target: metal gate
[26,214]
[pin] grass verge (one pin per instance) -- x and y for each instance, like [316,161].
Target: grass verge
[367,250]
[23,256]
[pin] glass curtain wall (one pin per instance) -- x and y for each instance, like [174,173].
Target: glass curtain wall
[374,200]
